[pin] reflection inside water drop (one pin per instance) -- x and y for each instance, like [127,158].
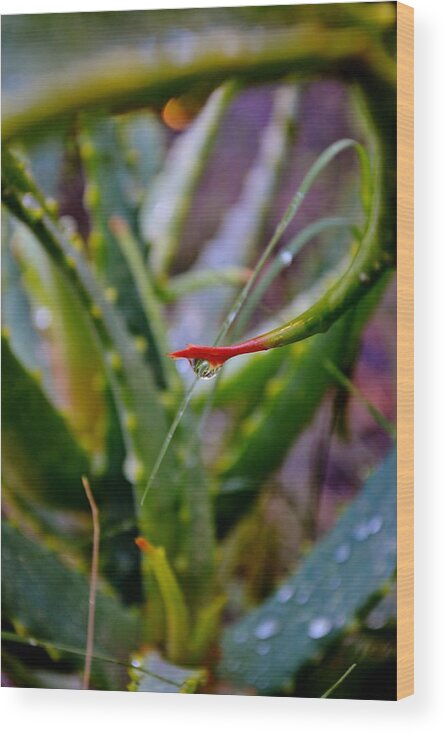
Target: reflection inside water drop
[203,369]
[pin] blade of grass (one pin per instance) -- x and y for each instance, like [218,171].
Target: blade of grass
[70,650]
[378,416]
[330,690]
[282,261]
[93,584]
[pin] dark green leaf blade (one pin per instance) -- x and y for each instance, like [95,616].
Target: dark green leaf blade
[316,603]
[49,600]
[41,458]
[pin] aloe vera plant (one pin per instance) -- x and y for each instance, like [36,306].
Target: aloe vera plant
[99,302]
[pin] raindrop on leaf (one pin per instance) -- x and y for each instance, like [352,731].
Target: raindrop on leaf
[267,628]
[203,369]
[319,627]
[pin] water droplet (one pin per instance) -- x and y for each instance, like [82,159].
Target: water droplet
[132,468]
[363,277]
[285,593]
[42,318]
[240,636]
[286,257]
[302,597]
[263,648]
[375,524]
[231,316]
[267,628]
[376,619]
[342,553]
[33,206]
[68,225]
[319,627]
[361,532]
[136,663]
[203,369]
[32,642]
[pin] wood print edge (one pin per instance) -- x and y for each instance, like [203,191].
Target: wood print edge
[405,352]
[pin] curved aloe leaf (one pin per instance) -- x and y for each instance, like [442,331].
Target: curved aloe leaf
[130,76]
[41,458]
[106,199]
[70,341]
[315,605]
[288,406]
[142,415]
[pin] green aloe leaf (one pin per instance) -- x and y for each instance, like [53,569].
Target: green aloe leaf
[290,400]
[107,199]
[165,210]
[158,676]
[45,598]
[41,458]
[181,489]
[16,308]
[156,72]
[314,605]
[69,340]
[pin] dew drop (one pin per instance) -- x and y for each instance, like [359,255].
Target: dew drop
[203,369]
[68,225]
[285,593]
[263,648]
[267,628]
[375,524]
[363,277]
[42,318]
[132,468]
[361,532]
[33,206]
[342,553]
[286,257]
[302,597]
[136,663]
[376,619]
[32,642]
[319,627]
